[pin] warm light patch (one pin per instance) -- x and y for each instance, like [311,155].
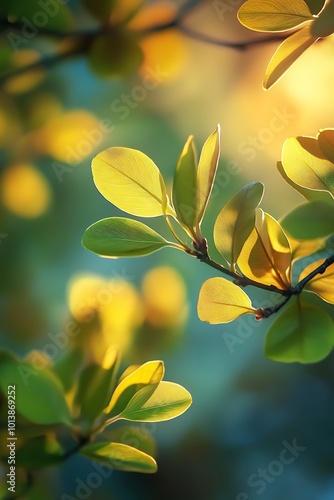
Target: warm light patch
[153,14]
[25,191]
[27,80]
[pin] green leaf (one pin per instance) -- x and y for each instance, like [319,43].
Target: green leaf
[168,401]
[325,140]
[40,452]
[119,456]
[323,25]
[114,56]
[311,220]
[221,301]
[185,185]
[34,14]
[149,373]
[305,165]
[40,396]
[206,172]
[137,437]
[101,10]
[303,333]
[276,15]
[121,237]
[286,54]
[95,388]
[236,221]
[130,180]
[67,367]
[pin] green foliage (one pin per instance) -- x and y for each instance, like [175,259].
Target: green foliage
[280,16]
[260,251]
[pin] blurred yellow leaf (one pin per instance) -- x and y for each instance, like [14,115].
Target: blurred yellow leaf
[275,15]
[305,165]
[159,12]
[130,180]
[325,140]
[124,11]
[151,372]
[286,54]
[27,80]
[266,254]
[25,191]
[221,301]
[165,305]
[322,284]
[207,168]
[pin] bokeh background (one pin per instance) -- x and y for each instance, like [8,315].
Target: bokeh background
[151,95]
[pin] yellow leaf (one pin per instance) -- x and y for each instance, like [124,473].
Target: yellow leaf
[286,54]
[221,301]
[207,167]
[325,140]
[276,15]
[322,284]
[130,180]
[304,163]
[266,254]
[151,372]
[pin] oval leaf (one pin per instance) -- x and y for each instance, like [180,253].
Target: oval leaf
[221,301]
[236,221]
[121,237]
[151,372]
[322,284]
[302,333]
[120,456]
[276,15]
[305,164]
[325,140]
[310,220]
[40,396]
[130,180]
[168,401]
[286,54]
[266,254]
[206,172]
[184,185]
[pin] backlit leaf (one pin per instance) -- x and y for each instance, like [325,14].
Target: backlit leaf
[40,394]
[119,456]
[286,54]
[303,333]
[276,15]
[321,284]
[236,221]
[121,237]
[311,220]
[305,164]
[168,401]
[325,140]
[185,185]
[221,301]
[39,452]
[130,180]
[151,372]
[266,254]
[207,167]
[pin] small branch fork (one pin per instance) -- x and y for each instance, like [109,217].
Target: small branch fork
[83,39]
[201,254]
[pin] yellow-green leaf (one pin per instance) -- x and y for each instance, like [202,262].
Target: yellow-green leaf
[303,333]
[305,165]
[322,284]
[311,220]
[276,15]
[119,456]
[130,180]
[151,372]
[266,254]
[168,401]
[325,140]
[207,168]
[236,221]
[185,185]
[323,24]
[122,237]
[221,301]
[286,54]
